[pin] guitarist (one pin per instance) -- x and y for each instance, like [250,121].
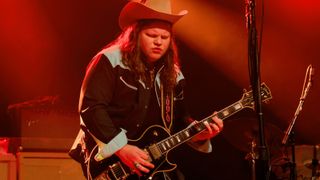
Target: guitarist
[131,84]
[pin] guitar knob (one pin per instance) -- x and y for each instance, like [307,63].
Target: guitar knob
[155,133]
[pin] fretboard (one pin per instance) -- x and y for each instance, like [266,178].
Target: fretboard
[182,136]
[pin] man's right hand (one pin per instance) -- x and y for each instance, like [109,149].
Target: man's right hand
[135,158]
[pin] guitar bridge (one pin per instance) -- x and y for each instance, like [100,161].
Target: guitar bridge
[118,171]
[113,172]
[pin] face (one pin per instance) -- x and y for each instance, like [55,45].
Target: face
[154,40]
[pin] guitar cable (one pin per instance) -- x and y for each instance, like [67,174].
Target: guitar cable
[89,177]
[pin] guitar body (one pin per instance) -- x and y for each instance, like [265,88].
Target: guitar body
[151,137]
[113,169]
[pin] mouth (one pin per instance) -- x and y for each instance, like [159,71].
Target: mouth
[157,50]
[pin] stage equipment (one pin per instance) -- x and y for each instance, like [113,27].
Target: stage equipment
[243,133]
[254,50]
[306,159]
[289,137]
[48,166]
[44,124]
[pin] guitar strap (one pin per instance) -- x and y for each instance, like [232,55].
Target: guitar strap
[166,108]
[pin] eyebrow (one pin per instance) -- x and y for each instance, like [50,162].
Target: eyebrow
[150,31]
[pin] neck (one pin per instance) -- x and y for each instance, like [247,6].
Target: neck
[150,65]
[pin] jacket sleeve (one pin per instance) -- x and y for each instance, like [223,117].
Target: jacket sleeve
[96,94]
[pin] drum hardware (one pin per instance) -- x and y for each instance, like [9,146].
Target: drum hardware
[313,164]
[252,156]
[242,133]
[307,162]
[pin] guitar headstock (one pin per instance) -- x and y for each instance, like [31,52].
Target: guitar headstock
[247,97]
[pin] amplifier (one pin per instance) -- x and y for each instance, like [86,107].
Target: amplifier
[43,126]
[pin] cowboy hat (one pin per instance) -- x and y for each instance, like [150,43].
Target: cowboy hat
[148,9]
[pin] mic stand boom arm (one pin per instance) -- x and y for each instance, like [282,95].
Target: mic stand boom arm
[289,133]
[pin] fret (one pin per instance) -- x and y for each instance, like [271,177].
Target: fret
[178,139]
[198,127]
[163,147]
[225,113]
[168,144]
[160,147]
[172,141]
[187,134]
[238,106]
[181,135]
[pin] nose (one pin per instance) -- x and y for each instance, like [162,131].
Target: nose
[158,41]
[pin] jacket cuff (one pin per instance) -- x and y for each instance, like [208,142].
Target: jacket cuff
[202,146]
[106,150]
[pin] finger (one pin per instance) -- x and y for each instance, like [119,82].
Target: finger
[146,163]
[215,127]
[140,167]
[136,171]
[218,122]
[135,168]
[143,154]
[208,127]
[194,122]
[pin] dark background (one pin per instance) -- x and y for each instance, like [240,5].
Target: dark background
[46,45]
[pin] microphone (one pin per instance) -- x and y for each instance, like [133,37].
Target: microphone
[310,73]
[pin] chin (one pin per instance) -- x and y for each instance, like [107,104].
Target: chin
[154,58]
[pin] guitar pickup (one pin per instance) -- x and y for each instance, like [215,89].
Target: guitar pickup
[154,151]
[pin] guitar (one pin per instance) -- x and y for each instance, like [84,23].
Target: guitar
[157,141]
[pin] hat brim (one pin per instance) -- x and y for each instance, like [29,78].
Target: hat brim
[134,11]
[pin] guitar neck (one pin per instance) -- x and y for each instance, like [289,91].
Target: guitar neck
[226,112]
[186,134]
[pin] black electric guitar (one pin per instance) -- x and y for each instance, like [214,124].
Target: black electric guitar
[157,141]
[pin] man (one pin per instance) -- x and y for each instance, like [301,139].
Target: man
[133,89]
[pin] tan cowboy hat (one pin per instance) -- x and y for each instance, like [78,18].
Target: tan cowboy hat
[148,9]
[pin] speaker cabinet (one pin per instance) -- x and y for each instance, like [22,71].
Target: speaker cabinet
[48,166]
[8,167]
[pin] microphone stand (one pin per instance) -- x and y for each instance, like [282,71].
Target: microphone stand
[262,172]
[315,163]
[290,133]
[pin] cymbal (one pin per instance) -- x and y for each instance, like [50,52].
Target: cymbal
[241,132]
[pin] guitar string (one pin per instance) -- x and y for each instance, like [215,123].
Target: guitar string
[181,134]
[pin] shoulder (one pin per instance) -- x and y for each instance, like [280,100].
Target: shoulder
[113,55]
[179,73]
